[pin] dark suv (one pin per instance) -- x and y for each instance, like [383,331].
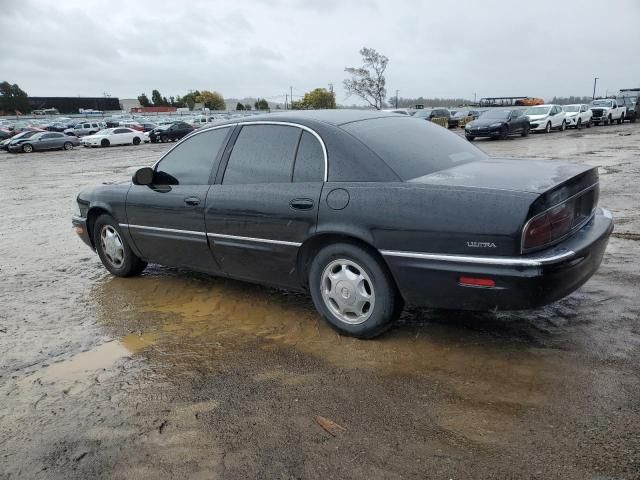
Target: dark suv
[429,115]
[630,98]
[173,131]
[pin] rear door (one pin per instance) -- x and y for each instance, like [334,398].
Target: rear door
[264,204]
[166,219]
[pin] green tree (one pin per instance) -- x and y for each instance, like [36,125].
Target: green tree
[319,98]
[156,98]
[13,98]
[261,104]
[144,100]
[239,106]
[367,81]
[211,100]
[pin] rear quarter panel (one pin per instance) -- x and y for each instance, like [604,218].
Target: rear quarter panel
[427,218]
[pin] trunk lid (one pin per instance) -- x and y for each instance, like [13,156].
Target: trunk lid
[519,175]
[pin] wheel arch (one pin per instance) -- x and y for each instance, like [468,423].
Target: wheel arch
[92,215]
[314,244]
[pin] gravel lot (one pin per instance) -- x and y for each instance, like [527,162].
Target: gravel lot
[179,374]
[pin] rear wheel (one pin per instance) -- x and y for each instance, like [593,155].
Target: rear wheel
[352,291]
[104,143]
[136,140]
[113,250]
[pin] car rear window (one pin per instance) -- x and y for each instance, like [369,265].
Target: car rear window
[414,148]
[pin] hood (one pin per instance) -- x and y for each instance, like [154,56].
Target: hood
[485,122]
[521,175]
[537,117]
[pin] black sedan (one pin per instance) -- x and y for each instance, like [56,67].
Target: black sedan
[173,131]
[499,123]
[43,141]
[365,210]
[430,114]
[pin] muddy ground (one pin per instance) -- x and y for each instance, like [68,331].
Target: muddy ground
[175,374]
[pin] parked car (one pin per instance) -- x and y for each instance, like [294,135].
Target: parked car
[544,118]
[498,124]
[43,141]
[577,115]
[606,111]
[113,136]
[85,128]
[57,127]
[6,133]
[147,127]
[173,131]
[630,98]
[430,114]
[365,210]
[24,134]
[474,114]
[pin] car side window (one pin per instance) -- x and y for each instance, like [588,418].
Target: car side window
[191,161]
[120,130]
[262,154]
[309,166]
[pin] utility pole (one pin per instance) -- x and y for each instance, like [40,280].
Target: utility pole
[286,102]
[595,80]
[397,91]
[291,96]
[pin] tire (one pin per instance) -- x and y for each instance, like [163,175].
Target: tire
[563,127]
[360,278]
[547,128]
[589,123]
[504,133]
[621,119]
[608,121]
[27,148]
[525,131]
[164,138]
[579,124]
[471,138]
[67,146]
[136,140]
[114,252]
[105,143]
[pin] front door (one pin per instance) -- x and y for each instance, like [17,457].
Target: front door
[166,219]
[264,204]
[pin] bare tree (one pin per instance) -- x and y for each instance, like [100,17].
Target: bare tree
[368,82]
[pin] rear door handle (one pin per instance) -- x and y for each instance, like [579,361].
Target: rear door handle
[301,204]
[192,201]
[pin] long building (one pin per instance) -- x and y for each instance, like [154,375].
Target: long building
[74,104]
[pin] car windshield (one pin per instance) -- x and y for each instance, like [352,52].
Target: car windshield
[414,148]
[25,134]
[422,113]
[602,103]
[571,108]
[497,114]
[537,111]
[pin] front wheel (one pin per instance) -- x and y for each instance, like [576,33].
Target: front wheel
[547,128]
[353,291]
[579,124]
[68,146]
[563,127]
[504,133]
[164,138]
[114,252]
[525,131]
[621,120]
[136,140]
[104,143]
[471,138]
[27,148]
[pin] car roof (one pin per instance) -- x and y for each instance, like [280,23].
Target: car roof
[332,117]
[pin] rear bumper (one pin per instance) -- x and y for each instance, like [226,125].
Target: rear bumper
[523,282]
[80,227]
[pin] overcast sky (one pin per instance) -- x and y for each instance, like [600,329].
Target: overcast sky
[261,47]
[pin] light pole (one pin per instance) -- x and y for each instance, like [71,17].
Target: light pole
[595,80]
[397,91]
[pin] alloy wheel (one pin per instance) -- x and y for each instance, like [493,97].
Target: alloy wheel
[112,246]
[347,291]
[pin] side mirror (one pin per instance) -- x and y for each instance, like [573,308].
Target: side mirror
[143,176]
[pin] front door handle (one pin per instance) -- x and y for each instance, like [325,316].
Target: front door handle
[192,201]
[301,204]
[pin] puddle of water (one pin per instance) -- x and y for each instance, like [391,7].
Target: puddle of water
[194,320]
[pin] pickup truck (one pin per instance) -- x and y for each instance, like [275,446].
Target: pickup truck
[630,97]
[607,110]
